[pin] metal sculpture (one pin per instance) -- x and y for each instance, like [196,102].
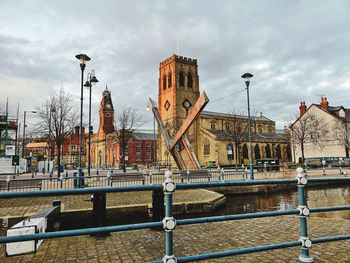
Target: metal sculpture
[181,136]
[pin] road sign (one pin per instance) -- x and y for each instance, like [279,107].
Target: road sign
[10,150]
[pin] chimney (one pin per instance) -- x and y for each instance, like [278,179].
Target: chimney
[324,103]
[302,108]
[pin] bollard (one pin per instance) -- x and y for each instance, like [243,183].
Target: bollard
[169,223]
[265,169]
[61,181]
[66,174]
[150,176]
[32,174]
[8,180]
[243,172]
[303,214]
[188,176]
[222,173]
[97,172]
[109,181]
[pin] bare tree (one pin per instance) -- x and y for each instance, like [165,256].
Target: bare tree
[237,129]
[341,131]
[308,129]
[127,121]
[58,117]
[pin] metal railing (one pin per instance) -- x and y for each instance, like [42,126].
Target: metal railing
[169,223]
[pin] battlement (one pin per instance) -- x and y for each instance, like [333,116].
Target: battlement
[179,59]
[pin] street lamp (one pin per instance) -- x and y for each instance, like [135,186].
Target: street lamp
[247,77]
[82,58]
[52,110]
[92,80]
[24,128]
[149,108]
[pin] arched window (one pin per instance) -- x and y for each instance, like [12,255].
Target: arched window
[190,80]
[206,147]
[245,151]
[278,152]
[289,153]
[164,82]
[181,79]
[257,152]
[169,79]
[229,152]
[268,151]
[212,125]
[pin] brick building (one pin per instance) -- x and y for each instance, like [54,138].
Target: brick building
[106,152]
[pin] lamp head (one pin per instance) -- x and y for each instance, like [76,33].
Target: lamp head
[247,77]
[87,84]
[83,58]
[94,80]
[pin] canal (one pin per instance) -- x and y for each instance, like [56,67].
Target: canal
[288,200]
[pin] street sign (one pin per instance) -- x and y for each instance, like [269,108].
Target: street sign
[10,150]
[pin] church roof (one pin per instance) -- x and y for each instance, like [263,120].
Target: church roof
[225,135]
[143,136]
[229,115]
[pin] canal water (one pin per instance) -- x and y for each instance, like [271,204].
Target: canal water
[288,200]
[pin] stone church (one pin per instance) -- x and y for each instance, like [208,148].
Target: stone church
[216,138]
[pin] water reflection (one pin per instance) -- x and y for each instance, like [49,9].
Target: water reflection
[289,200]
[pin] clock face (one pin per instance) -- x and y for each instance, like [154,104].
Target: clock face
[186,104]
[108,106]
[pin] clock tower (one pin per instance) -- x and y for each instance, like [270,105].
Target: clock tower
[106,113]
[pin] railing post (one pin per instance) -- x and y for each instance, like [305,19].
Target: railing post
[61,181]
[243,171]
[169,222]
[303,214]
[188,176]
[8,179]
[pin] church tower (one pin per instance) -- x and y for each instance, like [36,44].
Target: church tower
[106,113]
[178,91]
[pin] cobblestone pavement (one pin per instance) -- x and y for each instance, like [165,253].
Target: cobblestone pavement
[148,245]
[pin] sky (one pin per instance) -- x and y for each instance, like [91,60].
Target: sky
[296,50]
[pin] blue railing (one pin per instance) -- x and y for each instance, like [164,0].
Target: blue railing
[169,223]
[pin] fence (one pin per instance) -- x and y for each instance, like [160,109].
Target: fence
[169,223]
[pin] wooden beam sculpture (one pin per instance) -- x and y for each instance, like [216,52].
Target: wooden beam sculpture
[172,143]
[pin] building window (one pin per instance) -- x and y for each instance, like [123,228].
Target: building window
[212,125]
[148,152]
[245,151]
[190,80]
[206,147]
[257,152]
[227,126]
[138,152]
[270,130]
[278,152]
[164,82]
[229,152]
[181,79]
[169,80]
[268,151]
[126,151]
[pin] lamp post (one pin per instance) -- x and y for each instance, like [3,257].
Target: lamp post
[52,110]
[91,80]
[24,128]
[82,58]
[247,77]
[149,108]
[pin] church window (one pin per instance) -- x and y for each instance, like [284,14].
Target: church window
[260,129]
[278,152]
[126,151]
[212,125]
[257,152]
[206,147]
[270,130]
[164,82]
[138,152]
[227,126]
[229,152]
[245,151]
[181,79]
[169,80]
[190,80]
[268,151]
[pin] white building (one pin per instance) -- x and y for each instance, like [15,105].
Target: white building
[324,130]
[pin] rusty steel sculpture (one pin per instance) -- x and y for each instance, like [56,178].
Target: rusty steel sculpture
[181,136]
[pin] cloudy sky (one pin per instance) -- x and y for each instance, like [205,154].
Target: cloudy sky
[297,50]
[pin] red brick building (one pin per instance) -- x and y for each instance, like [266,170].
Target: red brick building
[106,152]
